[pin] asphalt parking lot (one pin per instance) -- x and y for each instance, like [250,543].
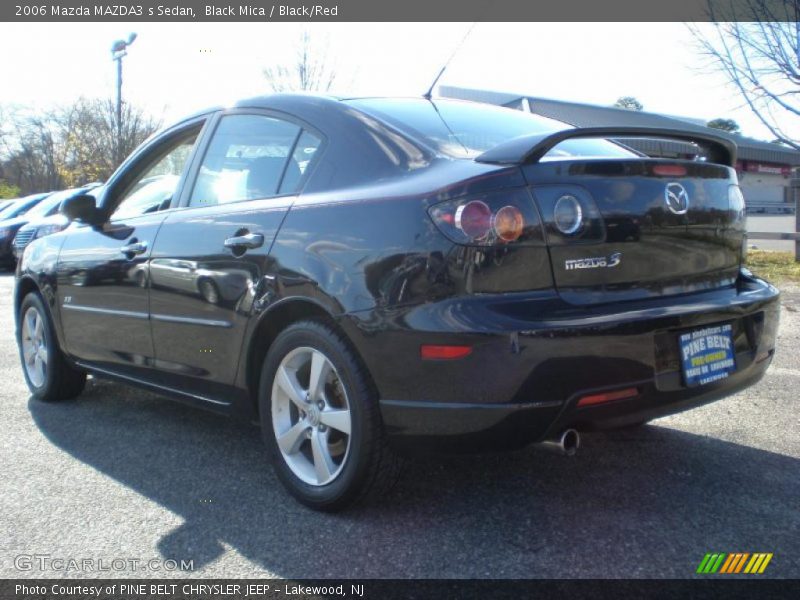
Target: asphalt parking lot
[121,474]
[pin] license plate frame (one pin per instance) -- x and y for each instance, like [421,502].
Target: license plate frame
[707,354]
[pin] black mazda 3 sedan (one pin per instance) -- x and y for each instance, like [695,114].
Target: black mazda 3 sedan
[363,276]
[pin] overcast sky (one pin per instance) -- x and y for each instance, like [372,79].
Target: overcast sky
[177,68]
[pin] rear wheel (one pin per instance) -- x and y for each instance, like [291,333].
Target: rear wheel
[320,420]
[47,373]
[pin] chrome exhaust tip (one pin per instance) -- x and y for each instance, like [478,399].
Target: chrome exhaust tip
[566,443]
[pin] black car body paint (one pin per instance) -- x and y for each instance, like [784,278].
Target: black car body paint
[357,243]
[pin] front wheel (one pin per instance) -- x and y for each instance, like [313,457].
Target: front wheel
[320,420]
[48,374]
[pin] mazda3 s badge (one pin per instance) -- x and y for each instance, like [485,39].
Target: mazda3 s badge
[370,276]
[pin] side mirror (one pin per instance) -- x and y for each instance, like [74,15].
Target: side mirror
[82,207]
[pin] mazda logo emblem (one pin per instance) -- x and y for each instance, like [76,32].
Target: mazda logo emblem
[677,198]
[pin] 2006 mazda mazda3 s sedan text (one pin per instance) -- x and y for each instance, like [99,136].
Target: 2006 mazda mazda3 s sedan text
[370,275]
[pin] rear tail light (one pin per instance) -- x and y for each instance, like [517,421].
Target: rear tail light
[508,223]
[570,214]
[736,201]
[492,219]
[474,219]
[738,208]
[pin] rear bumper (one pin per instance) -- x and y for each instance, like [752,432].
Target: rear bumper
[534,357]
[464,427]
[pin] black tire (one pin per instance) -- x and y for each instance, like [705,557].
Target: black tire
[61,381]
[369,466]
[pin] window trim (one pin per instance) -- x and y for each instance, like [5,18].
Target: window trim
[202,150]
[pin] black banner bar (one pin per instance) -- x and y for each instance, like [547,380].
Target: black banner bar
[395,10]
[387,589]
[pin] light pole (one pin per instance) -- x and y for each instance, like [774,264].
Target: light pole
[119,49]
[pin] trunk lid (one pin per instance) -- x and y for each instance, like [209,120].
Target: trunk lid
[654,227]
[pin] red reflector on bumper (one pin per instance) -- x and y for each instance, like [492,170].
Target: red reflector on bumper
[431,352]
[608,396]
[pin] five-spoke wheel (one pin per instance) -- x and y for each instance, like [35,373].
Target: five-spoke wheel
[47,371]
[320,418]
[34,346]
[311,416]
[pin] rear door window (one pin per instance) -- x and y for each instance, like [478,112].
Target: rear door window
[302,158]
[249,157]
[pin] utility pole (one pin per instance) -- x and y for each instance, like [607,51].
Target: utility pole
[119,49]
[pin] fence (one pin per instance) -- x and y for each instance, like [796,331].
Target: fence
[783,235]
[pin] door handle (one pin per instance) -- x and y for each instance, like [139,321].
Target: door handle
[248,240]
[134,248]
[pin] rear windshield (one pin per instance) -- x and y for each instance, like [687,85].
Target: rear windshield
[466,129]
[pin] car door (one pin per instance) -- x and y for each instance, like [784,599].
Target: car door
[211,256]
[102,270]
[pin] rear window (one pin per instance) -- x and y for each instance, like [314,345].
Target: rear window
[466,129]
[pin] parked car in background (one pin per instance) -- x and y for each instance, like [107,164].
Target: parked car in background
[367,275]
[7,202]
[11,219]
[18,206]
[45,219]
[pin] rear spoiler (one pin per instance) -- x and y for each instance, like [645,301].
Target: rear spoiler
[530,149]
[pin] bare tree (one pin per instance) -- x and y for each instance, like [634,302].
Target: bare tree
[91,145]
[756,45]
[70,146]
[310,71]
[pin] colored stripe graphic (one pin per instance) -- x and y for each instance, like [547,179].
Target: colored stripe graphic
[765,563]
[758,563]
[734,562]
[711,562]
[741,562]
[701,568]
[726,566]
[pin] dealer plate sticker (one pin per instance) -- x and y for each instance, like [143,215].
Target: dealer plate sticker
[707,354]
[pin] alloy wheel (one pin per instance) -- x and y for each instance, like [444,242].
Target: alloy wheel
[311,416]
[34,347]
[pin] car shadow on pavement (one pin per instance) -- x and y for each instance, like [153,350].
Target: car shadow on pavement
[645,502]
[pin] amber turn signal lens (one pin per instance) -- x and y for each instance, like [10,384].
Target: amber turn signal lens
[508,223]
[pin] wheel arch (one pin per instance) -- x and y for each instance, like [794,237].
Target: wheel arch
[25,285]
[270,324]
